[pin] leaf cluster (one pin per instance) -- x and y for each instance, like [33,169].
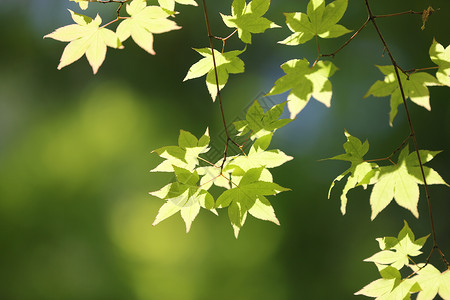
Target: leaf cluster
[397,252]
[245,179]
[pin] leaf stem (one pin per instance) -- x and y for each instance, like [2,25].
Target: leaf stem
[411,128]
[225,38]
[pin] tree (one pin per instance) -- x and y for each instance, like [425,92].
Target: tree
[245,178]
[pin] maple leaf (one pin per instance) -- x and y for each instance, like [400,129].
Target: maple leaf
[400,181]
[390,286]
[261,123]
[415,88]
[432,282]
[226,63]
[304,82]
[248,18]
[247,196]
[85,37]
[441,56]
[354,153]
[82,3]
[143,23]
[320,20]
[185,155]
[396,251]
[170,4]
[184,196]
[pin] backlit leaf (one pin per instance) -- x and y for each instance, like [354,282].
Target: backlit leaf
[248,18]
[305,82]
[85,37]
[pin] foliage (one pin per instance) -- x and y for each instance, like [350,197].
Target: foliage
[242,181]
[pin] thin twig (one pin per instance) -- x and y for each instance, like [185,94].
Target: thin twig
[409,12]
[411,128]
[348,41]
[392,154]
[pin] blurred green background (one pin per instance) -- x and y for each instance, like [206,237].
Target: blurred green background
[75,151]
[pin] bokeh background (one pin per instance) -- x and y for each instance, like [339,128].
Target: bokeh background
[75,151]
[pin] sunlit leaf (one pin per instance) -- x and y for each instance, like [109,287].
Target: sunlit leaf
[395,252]
[400,182]
[320,20]
[143,23]
[226,63]
[305,82]
[240,199]
[185,155]
[82,3]
[261,123]
[415,88]
[354,153]
[441,56]
[170,4]
[248,18]
[85,37]
[432,282]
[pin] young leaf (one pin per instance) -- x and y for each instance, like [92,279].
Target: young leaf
[257,157]
[170,4]
[226,63]
[441,56]
[143,23]
[248,18]
[432,282]
[320,20]
[415,88]
[261,123]
[185,155]
[354,153]
[304,83]
[242,198]
[82,3]
[400,182]
[395,251]
[184,196]
[85,37]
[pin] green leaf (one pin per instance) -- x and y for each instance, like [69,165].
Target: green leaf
[185,155]
[354,153]
[320,20]
[184,196]
[441,56]
[186,177]
[82,3]
[85,37]
[260,123]
[143,23]
[257,157]
[226,63]
[305,82]
[170,4]
[247,18]
[415,88]
[395,252]
[432,282]
[400,182]
[243,198]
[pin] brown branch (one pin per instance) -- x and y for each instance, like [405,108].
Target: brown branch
[225,39]
[348,41]
[219,96]
[392,154]
[409,12]
[411,127]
